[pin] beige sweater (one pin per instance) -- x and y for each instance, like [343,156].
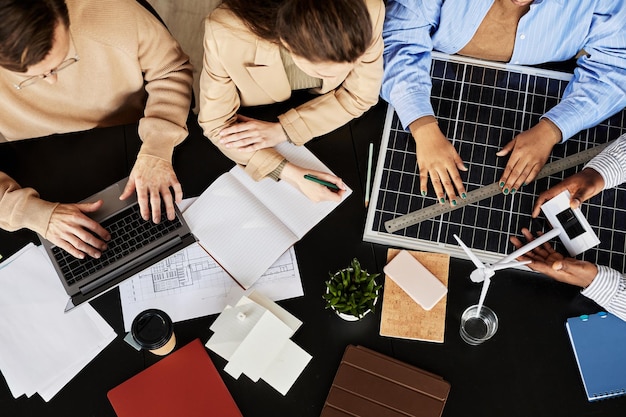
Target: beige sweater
[120,45]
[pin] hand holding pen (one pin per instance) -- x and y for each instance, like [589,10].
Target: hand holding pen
[316,185]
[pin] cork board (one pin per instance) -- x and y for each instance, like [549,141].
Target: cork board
[402,317]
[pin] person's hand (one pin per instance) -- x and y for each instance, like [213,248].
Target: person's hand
[294,175]
[249,135]
[154,179]
[529,152]
[546,260]
[582,186]
[438,160]
[71,230]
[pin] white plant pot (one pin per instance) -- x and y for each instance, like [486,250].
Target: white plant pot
[350,317]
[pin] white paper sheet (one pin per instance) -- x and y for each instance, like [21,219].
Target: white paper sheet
[41,347]
[286,367]
[260,347]
[254,337]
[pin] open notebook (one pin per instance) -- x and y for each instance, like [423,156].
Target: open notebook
[246,225]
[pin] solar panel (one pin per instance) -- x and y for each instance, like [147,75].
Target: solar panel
[480,107]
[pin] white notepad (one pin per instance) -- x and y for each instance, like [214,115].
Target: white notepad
[417,281]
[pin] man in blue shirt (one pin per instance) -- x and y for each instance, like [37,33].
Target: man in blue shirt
[521,32]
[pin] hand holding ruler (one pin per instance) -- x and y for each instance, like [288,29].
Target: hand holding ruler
[487,191]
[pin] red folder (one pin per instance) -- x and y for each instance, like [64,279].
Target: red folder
[185,383]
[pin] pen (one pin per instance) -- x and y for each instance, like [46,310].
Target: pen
[369,174]
[330,185]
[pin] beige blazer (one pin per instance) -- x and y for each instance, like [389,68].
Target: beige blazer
[240,69]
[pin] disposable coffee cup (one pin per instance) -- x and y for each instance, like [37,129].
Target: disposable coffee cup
[153,330]
[478,326]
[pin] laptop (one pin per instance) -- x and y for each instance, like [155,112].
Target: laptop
[135,245]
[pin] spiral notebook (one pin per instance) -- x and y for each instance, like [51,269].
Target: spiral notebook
[599,341]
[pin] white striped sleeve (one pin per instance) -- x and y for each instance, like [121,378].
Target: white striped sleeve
[611,163]
[608,289]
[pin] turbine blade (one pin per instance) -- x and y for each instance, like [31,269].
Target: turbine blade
[499,266]
[471,255]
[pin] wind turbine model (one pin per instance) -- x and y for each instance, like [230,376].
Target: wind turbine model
[484,272]
[568,224]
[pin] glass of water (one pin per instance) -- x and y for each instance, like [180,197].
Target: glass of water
[478,326]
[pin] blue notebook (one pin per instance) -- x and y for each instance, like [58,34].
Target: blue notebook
[599,344]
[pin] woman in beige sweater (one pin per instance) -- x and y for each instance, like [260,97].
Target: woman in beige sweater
[79,64]
[257,52]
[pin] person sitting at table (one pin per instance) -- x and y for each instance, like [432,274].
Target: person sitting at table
[604,285]
[257,52]
[75,65]
[523,32]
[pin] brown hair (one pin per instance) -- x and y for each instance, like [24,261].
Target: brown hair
[317,30]
[27,31]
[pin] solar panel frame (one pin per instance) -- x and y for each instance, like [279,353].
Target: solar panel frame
[481,106]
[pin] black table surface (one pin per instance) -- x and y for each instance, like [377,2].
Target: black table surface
[526,369]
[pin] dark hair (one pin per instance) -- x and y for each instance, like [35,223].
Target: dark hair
[317,30]
[27,31]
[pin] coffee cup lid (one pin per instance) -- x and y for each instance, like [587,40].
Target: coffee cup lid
[152,329]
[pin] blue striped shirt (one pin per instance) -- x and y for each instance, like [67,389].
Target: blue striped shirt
[551,31]
[608,288]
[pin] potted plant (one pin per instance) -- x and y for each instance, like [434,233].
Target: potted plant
[352,292]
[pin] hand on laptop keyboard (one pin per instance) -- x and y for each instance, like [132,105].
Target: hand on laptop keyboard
[70,229]
[154,180]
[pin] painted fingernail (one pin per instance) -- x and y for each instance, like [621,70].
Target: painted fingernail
[513,190]
[442,200]
[454,202]
[524,184]
[463,196]
[501,184]
[423,192]
[505,191]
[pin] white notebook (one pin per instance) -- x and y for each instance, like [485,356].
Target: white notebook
[245,225]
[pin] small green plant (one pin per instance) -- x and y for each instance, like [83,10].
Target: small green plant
[352,290]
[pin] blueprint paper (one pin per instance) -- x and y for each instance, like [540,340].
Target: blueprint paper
[191,284]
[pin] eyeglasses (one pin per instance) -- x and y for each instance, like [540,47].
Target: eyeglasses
[32,80]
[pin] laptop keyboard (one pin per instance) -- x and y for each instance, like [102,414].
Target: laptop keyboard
[129,232]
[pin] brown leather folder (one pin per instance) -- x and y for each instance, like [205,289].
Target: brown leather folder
[370,384]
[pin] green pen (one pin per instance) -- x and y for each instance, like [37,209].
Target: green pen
[330,185]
